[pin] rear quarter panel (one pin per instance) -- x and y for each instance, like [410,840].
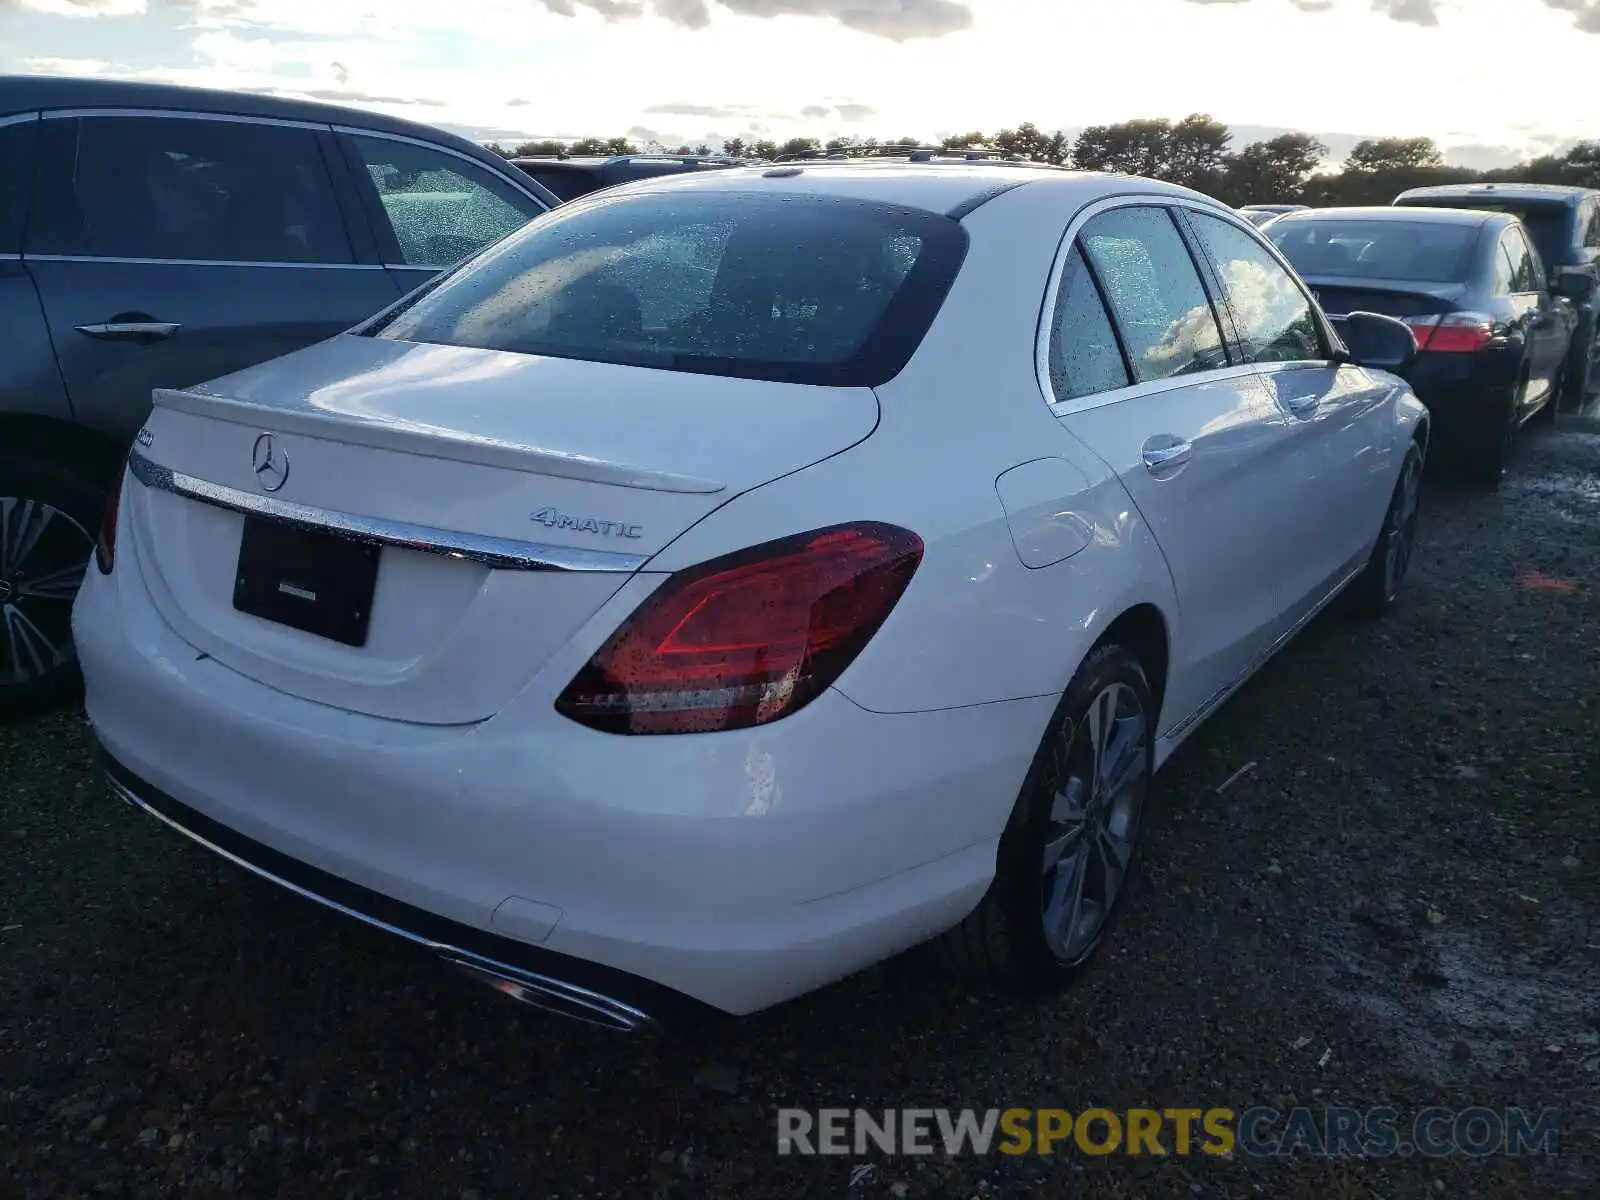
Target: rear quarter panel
[976,625]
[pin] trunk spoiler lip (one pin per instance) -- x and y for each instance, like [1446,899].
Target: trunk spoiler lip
[1444,292]
[431,441]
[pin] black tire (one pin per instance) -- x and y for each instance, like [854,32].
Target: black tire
[49,517]
[1373,592]
[1004,940]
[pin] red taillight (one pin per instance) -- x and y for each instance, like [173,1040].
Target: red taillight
[105,545]
[748,638]
[1453,333]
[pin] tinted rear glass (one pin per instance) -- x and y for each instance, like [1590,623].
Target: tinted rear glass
[1425,251]
[1553,226]
[798,289]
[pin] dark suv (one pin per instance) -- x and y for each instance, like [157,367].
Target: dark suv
[570,178]
[155,236]
[1565,225]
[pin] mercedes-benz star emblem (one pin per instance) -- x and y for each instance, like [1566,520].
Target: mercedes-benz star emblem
[270,464]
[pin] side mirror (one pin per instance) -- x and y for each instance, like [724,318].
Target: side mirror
[1379,342]
[1575,286]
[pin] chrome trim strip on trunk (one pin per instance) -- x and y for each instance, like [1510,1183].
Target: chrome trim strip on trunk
[541,991]
[506,554]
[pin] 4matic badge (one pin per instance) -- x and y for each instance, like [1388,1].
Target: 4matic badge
[554,518]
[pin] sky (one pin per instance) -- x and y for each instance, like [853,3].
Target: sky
[1492,81]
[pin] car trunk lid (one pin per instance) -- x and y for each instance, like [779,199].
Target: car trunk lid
[507,496]
[1340,295]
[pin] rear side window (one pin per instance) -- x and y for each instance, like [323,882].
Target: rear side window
[796,288]
[187,191]
[1273,316]
[1521,262]
[1505,270]
[1155,292]
[1084,355]
[16,172]
[441,208]
[1527,274]
[1424,251]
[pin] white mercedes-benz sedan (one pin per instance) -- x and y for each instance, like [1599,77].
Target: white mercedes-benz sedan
[730,580]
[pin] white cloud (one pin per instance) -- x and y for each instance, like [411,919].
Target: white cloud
[758,65]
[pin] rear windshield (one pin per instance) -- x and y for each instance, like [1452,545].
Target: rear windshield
[797,289]
[1425,251]
[1550,225]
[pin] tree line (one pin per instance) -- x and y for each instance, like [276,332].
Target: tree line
[1196,151]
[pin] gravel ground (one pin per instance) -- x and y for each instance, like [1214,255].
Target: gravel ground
[1395,905]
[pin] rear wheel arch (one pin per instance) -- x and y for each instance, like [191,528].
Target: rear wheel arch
[1142,630]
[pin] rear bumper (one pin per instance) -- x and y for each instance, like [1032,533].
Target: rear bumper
[554,982]
[1466,395]
[739,869]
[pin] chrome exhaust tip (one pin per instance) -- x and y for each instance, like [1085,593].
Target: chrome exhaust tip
[555,996]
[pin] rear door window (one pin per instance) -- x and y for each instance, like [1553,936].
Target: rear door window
[441,208]
[1154,288]
[189,190]
[16,176]
[1084,355]
[1270,311]
[790,288]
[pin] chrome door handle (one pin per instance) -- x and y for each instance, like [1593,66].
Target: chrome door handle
[1158,459]
[1300,405]
[130,331]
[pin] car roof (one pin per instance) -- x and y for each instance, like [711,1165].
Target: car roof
[1499,191]
[29,93]
[955,187]
[589,162]
[1437,216]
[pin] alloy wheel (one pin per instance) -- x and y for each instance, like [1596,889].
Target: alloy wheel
[43,555]
[1094,821]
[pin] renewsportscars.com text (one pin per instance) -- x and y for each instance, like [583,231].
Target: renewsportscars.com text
[1218,1132]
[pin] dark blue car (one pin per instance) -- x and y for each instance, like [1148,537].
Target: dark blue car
[1564,223]
[155,236]
[1493,331]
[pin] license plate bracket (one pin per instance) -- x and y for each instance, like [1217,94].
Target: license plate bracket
[319,583]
